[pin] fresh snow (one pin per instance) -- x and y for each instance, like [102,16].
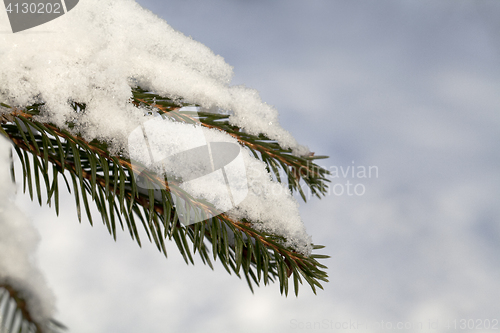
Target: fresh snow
[97,51]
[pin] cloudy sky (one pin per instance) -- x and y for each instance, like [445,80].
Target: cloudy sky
[407,87]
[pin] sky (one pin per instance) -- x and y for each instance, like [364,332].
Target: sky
[409,88]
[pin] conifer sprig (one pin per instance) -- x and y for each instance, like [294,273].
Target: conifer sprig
[49,155]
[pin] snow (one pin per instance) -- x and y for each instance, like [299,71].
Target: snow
[94,51]
[257,198]
[97,51]
[18,242]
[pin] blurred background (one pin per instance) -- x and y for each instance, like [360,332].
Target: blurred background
[409,88]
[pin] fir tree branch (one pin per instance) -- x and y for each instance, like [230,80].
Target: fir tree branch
[10,295]
[15,315]
[109,181]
